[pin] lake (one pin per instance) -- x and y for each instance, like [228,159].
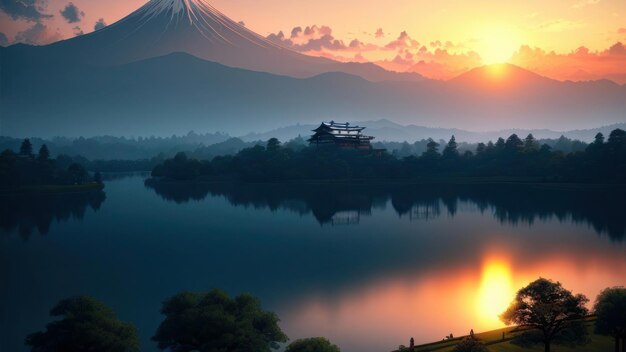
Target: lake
[367,266]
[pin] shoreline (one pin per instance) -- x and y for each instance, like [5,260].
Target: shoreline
[52,189]
[452,181]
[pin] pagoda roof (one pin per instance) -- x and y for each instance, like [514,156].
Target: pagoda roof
[332,125]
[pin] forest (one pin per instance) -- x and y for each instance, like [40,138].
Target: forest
[601,161]
[24,168]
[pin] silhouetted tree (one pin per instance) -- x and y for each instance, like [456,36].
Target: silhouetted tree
[313,344]
[617,137]
[44,153]
[273,145]
[469,344]
[212,321]
[480,148]
[551,313]
[610,308]
[530,143]
[26,149]
[513,143]
[432,149]
[599,139]
[500,144]
[86,325]
[450,151]
[76,174]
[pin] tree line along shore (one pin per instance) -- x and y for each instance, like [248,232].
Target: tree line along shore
[543,314]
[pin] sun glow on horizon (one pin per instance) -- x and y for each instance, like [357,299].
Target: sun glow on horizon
[497,44]
[495,293]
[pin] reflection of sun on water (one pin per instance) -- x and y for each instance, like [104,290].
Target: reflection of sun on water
[495,293]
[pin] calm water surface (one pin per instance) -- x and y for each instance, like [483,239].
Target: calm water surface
[366,266]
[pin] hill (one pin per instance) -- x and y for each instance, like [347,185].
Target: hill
[178,92]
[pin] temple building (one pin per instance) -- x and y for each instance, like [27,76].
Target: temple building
[340,134]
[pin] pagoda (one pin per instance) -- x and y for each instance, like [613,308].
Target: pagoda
[340,134]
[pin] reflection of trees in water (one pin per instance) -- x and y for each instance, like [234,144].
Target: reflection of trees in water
[600,207]
[29,213]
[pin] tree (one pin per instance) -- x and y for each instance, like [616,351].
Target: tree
[273,145]
[450,151]
[513,143]
[432,149]
[530,143]
[313,344]
[610,309]
[212,321]
[26,149]
[76,174]
[617,137]
[551,314]
[480,148]
[44,153]
[87,325]
[469,344]
[500,144]
[598,139]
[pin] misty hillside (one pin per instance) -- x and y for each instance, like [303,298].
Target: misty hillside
[177,93]
[385,130]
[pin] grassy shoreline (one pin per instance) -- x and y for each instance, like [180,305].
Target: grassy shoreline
[494,342]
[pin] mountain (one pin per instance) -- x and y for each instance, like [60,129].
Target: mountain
[178,92]
[162,27]
[179,65]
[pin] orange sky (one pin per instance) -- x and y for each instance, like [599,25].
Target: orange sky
[564,39]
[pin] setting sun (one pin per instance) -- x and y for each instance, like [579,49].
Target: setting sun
[495,293]
[496,44]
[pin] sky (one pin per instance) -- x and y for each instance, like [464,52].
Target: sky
[561,39]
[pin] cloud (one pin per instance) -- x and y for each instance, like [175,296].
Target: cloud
[559,25]
[38,34]
[621,31]
[584,3]
[311,39]
[579,64]
[4,41]
[438,64]
[71,13]
[379,33]
[403,41]
[29,10]
[77,31]
[99,24]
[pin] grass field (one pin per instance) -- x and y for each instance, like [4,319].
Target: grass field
[495,343]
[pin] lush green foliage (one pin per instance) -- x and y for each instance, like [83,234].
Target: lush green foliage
[551,314]
[26,169]
[87,325]
[313,344]
[212,321]
[513,157]
[610,309]
[469,344]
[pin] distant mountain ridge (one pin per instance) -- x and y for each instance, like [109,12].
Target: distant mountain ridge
[178,65]
[177,93]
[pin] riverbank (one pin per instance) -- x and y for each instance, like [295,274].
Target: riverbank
[500,341]
[528,181]
[53,189]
